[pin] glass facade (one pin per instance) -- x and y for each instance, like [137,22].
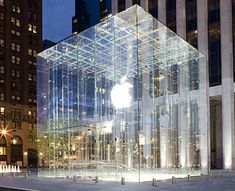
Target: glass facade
[214,43]
[108,105]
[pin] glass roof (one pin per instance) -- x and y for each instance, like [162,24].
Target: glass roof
[132,37]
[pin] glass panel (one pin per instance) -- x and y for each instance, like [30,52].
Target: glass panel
[117,101]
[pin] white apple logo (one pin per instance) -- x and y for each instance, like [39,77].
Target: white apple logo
[120,94]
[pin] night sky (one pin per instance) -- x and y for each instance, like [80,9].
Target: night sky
[57,19]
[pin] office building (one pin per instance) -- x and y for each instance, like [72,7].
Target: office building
[20,41]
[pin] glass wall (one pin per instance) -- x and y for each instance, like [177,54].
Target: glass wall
[108,105]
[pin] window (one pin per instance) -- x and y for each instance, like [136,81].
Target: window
[15,9]
[30,27]
[171,14]
[2,16]
[2,3]
[2,110]
[30,126]
[18,125]
[17,22]
[2,70]
[2,43]
[30,113]
[13,73]
[34,53]
[13,46]
[2,124]
[30,77]
[17,60]
[18,48]
[2,96]
[18,74]
[34,29]
[30,52]
[214,42]
[13,97]
[13,59]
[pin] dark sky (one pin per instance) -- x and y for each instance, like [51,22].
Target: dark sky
[57,19]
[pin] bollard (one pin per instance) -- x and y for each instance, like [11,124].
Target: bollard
[96,179]
[189,177]
[173,180]
[26,175]
[74,178]
[201,176]
[122,181]
[154,182]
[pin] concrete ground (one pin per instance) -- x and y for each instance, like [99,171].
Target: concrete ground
[214,183]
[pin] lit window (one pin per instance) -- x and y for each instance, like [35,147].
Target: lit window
[17,60]
[2,96]
[30,113]
[34,29]
[30,52]
[30,77]
[13,73]
[2,16]
[34,53]
[2,110]
[18,9]
[30,62]
[17,33]
[30,27]
[13,20]
[2,81]
[13,32]
[13,46]
[18,48]
[13,59]
[2,70]
[2,3]
[18,98]
[2,43]
[18,74]
[17,22]
[13,97]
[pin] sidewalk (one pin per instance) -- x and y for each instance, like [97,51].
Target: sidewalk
[216,183]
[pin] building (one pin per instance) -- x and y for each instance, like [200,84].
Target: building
[209,25]
[81,20]
[124,98]
[47,44]
[89,13]
[20,41]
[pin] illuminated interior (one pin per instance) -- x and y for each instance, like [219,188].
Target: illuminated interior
[125,98]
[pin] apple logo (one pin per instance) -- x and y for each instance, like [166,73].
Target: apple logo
[120,94]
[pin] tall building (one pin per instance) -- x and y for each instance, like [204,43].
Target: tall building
[208,25]
[20,41]
[81,20]
[89,13]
